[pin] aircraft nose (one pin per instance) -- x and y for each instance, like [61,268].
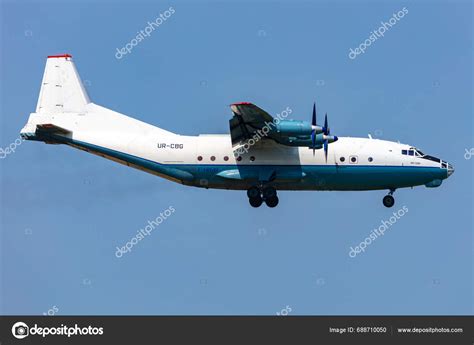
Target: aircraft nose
[450,169]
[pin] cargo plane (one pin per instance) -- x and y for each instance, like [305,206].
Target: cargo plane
[261,155]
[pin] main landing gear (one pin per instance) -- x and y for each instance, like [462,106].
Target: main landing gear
[258,195]
[389,200]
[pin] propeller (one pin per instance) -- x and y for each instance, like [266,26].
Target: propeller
[326,129]
[327,138]
[326,149]
[313,131]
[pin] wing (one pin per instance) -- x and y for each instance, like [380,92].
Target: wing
[248,119]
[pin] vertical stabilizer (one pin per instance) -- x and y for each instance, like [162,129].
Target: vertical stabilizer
[62,90]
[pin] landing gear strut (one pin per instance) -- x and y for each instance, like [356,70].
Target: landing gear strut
[269,192]
[389,200]
[258,195]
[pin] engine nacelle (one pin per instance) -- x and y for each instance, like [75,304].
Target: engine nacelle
[305,140]
[294,128]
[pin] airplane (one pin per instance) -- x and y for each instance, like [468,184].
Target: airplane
[262,154]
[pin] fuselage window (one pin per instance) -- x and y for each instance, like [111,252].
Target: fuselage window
[252,158]
[226,158]
[370,159]
[213,158]
[342,159]
[199,158]
[353,159]
[239,158]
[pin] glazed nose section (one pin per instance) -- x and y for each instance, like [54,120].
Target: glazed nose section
[450,169]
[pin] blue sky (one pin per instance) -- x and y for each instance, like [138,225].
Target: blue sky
[63,212]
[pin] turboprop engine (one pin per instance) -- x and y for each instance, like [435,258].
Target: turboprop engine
[304,133]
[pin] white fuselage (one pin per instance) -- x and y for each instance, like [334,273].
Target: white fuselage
[212,158]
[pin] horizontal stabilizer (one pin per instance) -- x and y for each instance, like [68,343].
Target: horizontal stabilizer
[51,129]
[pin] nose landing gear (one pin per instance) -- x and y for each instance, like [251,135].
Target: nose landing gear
[389,200]
[258,195]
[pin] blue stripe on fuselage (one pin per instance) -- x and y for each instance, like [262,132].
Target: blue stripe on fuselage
[330,177]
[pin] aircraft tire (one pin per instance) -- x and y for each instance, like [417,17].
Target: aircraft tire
[256,202]
[388,201]
[272,201]
[253,192]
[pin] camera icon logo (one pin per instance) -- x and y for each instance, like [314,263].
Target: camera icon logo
[20,330]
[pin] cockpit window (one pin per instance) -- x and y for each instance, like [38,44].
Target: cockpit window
[431,158]
[419,152]
[415,152]
[411,152]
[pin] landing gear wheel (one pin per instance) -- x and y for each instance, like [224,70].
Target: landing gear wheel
[256,201]
[388,201]
[269,192]
[272,201]
[253,192]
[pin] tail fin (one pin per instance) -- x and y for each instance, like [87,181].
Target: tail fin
[62,90]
